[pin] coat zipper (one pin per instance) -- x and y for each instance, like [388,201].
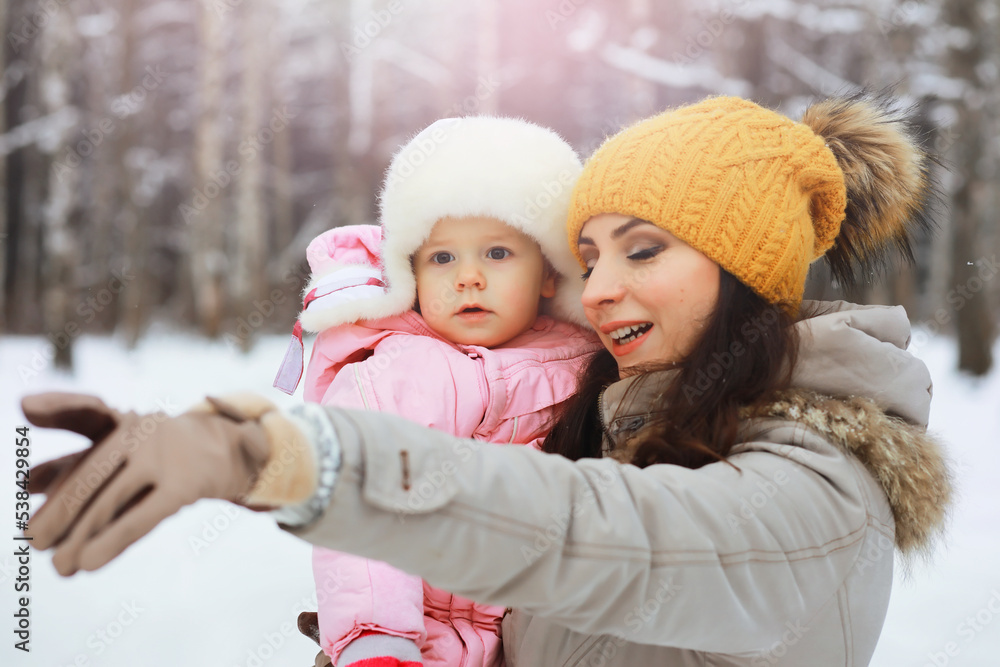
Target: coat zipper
[606,434]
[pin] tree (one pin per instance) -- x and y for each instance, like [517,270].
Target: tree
[4,236]
[57,59]
[248,277]
[971,192]
[202,209]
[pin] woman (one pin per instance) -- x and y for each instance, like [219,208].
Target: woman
[737,470]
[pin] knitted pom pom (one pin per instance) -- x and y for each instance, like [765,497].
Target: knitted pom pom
[886,174]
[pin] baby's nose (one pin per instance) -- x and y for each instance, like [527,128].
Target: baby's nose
[470,275]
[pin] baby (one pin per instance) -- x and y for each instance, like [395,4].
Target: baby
[457,312]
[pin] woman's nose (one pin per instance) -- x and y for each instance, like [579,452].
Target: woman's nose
[603,287]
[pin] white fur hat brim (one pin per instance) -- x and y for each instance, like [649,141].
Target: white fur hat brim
[503,168]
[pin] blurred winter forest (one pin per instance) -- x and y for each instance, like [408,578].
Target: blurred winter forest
[167,161]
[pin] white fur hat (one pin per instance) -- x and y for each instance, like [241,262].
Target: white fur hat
[504,168]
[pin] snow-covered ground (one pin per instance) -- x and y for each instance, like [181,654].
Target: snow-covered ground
[216,585]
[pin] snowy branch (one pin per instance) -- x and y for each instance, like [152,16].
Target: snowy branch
[672,74]
[12,76]
[808,71]
[413,62]
[39,130]
[837,20]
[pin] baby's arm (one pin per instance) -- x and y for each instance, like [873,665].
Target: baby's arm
[356,595]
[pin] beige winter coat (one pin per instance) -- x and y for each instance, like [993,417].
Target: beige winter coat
[784,557]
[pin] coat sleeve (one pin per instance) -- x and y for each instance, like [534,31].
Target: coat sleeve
[654,555]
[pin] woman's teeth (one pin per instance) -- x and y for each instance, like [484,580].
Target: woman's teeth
[629,333]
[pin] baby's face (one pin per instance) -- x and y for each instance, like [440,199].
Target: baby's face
[479,281]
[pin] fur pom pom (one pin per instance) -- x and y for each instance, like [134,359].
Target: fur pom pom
[887,177]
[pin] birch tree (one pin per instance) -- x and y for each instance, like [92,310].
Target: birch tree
[353,138]
[248,276]
[202,214]
[134,299]
[58,274]
[104,60]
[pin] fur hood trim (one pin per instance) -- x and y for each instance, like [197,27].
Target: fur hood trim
[910,464]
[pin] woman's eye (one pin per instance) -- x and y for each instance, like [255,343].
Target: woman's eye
[498,253]
[442,257]
[646,253]
[586,274]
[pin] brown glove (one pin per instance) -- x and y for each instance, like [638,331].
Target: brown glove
[308,623]
[139,470]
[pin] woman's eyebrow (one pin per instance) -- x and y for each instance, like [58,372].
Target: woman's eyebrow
[621,231]
[617,233]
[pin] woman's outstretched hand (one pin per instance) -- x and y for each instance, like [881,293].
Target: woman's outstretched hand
[138,470]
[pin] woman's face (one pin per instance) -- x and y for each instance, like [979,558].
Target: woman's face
[648,293]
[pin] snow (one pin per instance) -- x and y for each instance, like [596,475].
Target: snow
[215,584]
[218,585]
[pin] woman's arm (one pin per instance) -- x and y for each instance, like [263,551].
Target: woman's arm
[602,547]
[594,545]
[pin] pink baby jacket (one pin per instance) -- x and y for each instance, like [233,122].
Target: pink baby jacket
[506,395]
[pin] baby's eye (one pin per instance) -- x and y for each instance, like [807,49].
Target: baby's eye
[442,257]
[498,253]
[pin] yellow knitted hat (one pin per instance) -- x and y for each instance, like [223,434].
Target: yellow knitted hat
[759,194]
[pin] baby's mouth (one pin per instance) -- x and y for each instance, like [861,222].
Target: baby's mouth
[472,313]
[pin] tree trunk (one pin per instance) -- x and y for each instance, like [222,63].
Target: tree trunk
[58,277]
[248,283]
[203,214]
[4,233]
[352,138]
[283,213]
[970,197]
[106,169]
[26,178]
[135,302]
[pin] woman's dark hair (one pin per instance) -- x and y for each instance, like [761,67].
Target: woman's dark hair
[746,352]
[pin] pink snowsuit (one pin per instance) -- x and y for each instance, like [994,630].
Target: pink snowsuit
[505,395]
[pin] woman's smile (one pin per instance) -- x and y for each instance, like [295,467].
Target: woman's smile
[626,337]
